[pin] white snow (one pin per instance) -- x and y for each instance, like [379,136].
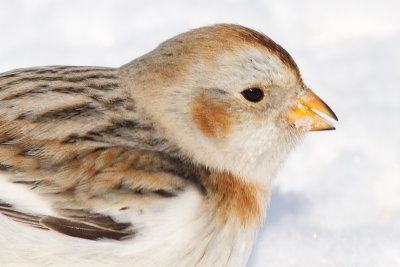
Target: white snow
[337,200]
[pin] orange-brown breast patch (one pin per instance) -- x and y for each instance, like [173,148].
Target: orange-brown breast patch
[211,116]
[235,199]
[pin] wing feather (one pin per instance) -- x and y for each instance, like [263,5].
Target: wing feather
[73,136]
[85,225]
[83,230]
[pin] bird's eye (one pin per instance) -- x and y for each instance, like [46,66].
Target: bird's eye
[253,94]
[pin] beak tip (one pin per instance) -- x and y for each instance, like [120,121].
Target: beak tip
[332,128]
[334,115]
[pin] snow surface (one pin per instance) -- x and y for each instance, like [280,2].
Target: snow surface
[337,200]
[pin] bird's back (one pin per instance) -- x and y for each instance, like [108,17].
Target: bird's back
[72,137]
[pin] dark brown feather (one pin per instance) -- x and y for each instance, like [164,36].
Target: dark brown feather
[80,224]
[10,212]
[83,230]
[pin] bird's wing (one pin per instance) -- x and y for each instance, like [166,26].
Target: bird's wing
[80,223]
[73,136]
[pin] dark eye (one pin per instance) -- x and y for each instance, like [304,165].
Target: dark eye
[253,94]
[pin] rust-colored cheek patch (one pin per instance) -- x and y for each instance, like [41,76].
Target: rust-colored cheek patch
[235,199]
[211,116]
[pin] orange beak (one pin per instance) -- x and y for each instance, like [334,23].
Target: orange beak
[303,116]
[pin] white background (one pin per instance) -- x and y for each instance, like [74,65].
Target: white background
[337,200]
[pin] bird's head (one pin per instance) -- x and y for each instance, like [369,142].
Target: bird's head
[229,97]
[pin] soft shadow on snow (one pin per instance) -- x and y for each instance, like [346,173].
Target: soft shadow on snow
[285,204]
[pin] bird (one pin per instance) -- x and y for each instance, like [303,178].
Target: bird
[167,160]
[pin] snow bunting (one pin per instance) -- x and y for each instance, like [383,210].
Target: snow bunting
[165,161]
